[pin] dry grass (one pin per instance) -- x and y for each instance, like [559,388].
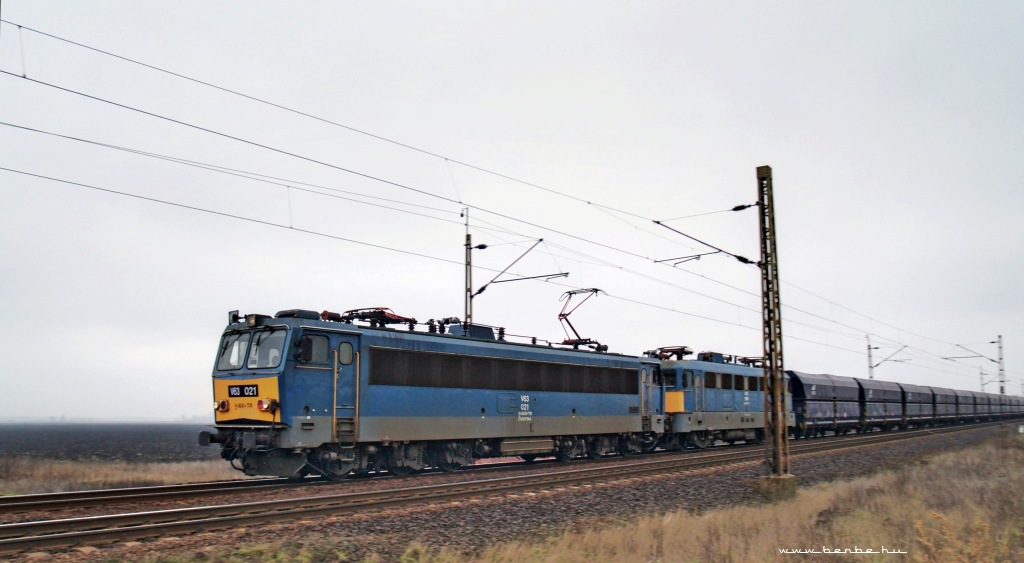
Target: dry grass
[24,475]
[963,506]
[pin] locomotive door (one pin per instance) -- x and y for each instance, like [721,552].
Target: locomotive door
[698,391]
[347,363]
[647,403]
[647,391]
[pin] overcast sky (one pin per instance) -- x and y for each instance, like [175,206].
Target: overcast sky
[895,132]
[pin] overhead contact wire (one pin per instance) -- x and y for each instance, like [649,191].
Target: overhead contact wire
[322,163]
[345,239]
[423,151]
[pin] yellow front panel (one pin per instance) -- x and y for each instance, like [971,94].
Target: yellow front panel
[242,402]
[674,402]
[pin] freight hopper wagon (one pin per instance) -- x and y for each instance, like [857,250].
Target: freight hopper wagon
[883,407]
[823,402]
[944,401]
[918,405]
[308,392]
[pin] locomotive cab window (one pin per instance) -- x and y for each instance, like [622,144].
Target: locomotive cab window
[671,379]
[232,350]
[314,349]
[266,349]
[687,378]
[345,353]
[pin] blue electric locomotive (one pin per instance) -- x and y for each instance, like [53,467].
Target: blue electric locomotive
[715,397]
[304,391]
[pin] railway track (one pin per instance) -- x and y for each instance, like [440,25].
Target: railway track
[59,533]
[108,496]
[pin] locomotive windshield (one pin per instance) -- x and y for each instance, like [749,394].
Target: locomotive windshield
[265,351]
[232,350]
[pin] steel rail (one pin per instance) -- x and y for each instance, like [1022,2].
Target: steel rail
[106,496]
[18,537]
[96,497]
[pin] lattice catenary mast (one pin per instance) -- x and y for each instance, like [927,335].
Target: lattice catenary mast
[775,419]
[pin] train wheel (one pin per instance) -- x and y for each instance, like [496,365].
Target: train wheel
[337,471]
[650,443]
[630,445]
[449,466]
[399,470]
[331,469]
[569,448]
[599,446]
[397,466]
[448,457]
[701,440]
[674,443]
[331,463]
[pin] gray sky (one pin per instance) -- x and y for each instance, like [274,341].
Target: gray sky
[894,131]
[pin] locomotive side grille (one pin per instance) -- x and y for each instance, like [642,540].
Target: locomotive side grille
[428,369]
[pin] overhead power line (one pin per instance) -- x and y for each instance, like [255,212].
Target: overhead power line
[606,208]
[281,182]
[448,160]
[381,247]
[736,208]
[254,176]
[371,177]
[741,259]
[230,215]
[334,123]
[412,253]
[323,163]
[262,178]
[868,317]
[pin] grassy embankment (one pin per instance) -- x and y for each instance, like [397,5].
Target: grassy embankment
[961,506]
[26,475]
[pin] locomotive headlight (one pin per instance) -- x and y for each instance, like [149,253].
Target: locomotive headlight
[266,405]
[221,406]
